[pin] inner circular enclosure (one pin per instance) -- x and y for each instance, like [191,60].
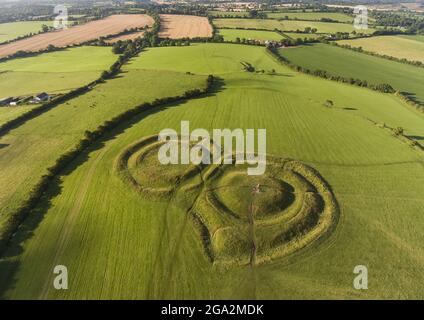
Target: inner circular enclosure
[147,170]
[234,191]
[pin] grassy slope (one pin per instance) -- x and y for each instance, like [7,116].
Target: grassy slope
[409,48]
[12,30]
[347,63]
[117,245]
[232,34]
[35,145]
[54,72]
[311,16]
[286,25]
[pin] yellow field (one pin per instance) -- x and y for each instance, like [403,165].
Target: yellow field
[402,47]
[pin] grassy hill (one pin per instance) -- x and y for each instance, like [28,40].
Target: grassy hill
[119,244]
[350,64]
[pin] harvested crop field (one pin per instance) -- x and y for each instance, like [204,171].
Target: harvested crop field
[401,47]
[129,36]
[89,31]
[183,26]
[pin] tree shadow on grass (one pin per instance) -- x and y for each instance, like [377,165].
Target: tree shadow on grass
[8,262]
[416,137]
[3,145]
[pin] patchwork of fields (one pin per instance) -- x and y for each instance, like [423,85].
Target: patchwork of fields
[137,248]
[78,34]
[344,175]
[54,72]
[402,47]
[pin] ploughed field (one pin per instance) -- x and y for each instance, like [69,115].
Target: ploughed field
[176,26]
[401,47]
[350,189]
[233,34]
[78,34]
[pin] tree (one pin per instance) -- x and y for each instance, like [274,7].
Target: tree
[398,131]
[45,28]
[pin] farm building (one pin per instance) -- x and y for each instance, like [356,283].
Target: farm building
[41,97]
[5,101]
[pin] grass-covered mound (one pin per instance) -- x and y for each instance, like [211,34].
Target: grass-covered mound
[120,244]
[294,205]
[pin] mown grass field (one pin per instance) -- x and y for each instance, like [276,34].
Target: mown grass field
[286,25]
[351,64]
[402,47]
[336,16]
[12,30]
[233,34]
[118,244]
[54,72]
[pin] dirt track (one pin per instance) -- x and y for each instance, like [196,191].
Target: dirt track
[75,35]
[184,26]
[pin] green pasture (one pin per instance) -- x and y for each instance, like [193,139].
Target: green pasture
[12,30]
[311,16]
[117,243]
[54,72]
[233,34]
[351,64]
